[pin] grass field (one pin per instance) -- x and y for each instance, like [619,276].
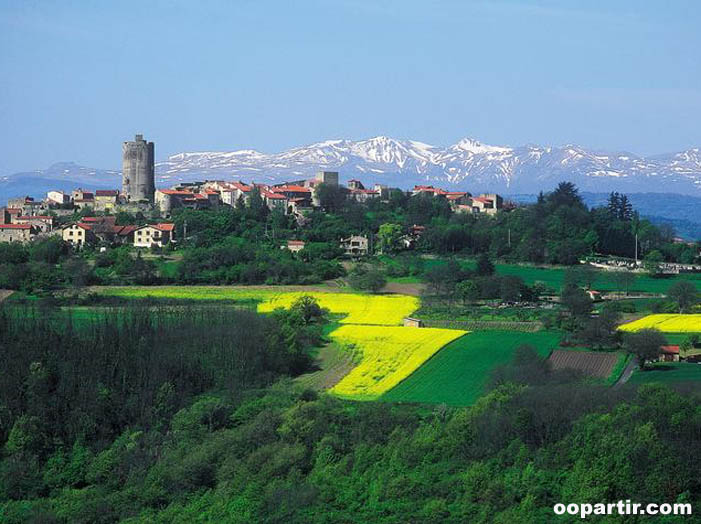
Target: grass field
[457,374]
[553,277]
[666,323]
[389,355]
[668,372]
[359,309]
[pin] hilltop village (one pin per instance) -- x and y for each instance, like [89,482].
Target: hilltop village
[89,217]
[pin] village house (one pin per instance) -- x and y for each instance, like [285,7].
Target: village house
[168,199]
[273,200]
[429,190]
[457,198]
[25,205]
[489,203]
[8,214]
[43,223]
[153,235]
[410,240]
[302,196]
[57,198]
[235,191]
[78,234]
[669,354]
[102,228]
[356,245]
[17,232]
[83,199]
[124,234]
[357,191]
[294,245]
[106,199]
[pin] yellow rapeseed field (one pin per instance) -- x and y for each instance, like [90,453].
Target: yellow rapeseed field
[389,355]
[387,352]
[666,323]
[384,310]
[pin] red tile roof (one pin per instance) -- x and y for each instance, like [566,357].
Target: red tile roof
[175,192]
[241,186]
[274,196]
[15,226]
[38,217]
[106,192]
[483,200]
[124,230]
[291,189]
[672,350]
[295,242]
[100,220]
[165,227]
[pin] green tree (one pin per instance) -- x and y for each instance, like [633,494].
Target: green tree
[485,266]
[576,301]
[652,262]
[467,291]
[367,279]
[645,345]
[308,308]
[389,236]
[331,197]
[684,294]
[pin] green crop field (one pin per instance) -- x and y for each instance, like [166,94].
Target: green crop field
[457,374]
[553,277]
[668,372]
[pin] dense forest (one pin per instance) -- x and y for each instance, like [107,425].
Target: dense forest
[144,415]
[241,244]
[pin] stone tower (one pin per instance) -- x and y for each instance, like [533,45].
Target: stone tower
[138,174]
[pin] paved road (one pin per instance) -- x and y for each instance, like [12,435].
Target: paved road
[627,372]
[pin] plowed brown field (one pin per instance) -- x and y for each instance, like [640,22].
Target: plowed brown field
[591,363]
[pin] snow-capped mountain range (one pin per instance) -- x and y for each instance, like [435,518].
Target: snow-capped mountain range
[467,165]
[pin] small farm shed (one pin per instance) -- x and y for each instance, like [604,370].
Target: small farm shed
[669,354]
[412,322]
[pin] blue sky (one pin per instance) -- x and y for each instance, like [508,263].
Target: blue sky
[77,78]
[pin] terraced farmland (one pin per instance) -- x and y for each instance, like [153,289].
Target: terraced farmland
[591,363]
[458,373]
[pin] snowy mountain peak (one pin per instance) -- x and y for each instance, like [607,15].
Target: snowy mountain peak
[473,146]
[468,164]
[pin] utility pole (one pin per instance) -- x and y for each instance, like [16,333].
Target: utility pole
[184,230]
[509,237]
[636,249]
